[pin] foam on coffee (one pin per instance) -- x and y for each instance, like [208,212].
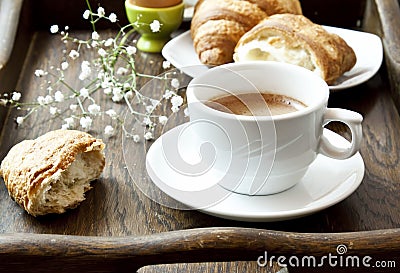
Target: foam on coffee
[256,104]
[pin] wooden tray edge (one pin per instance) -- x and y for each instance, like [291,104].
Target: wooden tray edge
[383,19]
[44,253]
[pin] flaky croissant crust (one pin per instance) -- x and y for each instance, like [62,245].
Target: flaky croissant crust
[330,54]
[217,25]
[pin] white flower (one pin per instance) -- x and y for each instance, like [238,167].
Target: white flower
[73,54]
[95,35]
[166,64]
[112,18]
[162,119]
[149,109]
[16,96]
[39,73]
[3,102]
[70,122]
[168,94]
[147,121]
[129,95]
[155,26]
[59,96]
[117,91]
[118,95]
[136,138]
[122,71]
[106,82]
[94,43]
[101,12]
[176,102]
[148,136]
[48,99]
[73,107]
[109,130]
[84,92]
[41,100]
[64,127]
[101,74]
[86,70]
[107,90]
[54,110]
[86,14]
[112,114]
[86,122]
[20,120]
[64,65]
[109,42]
[94,109]
[102,52]
[54,29]
[175,83]
[131,50]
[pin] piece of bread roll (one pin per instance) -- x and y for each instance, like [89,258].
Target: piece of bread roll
[295,39]
[52,173]
[217,25]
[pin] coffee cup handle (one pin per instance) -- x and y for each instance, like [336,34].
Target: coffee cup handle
[353,121]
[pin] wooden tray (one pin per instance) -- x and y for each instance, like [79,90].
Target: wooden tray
[119,229]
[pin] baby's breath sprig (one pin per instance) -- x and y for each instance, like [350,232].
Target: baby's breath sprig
[112,72]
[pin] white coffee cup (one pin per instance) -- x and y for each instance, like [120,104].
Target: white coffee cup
[261,155]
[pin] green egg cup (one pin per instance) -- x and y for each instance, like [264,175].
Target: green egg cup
[170,19]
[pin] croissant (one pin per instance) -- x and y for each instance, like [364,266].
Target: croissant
[297,40]
[217,25]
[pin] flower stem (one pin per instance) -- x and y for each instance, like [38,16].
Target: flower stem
[91,16]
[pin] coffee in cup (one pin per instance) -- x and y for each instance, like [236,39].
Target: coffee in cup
[264,154]
[256,104]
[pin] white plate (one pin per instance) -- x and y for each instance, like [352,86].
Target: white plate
[189,9]
[368,48]
[327,182]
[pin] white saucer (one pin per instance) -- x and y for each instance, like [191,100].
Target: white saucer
[367,47]
[327,182]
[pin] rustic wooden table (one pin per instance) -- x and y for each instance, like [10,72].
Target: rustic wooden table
[119,229]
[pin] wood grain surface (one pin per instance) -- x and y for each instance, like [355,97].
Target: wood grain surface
[120,229]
